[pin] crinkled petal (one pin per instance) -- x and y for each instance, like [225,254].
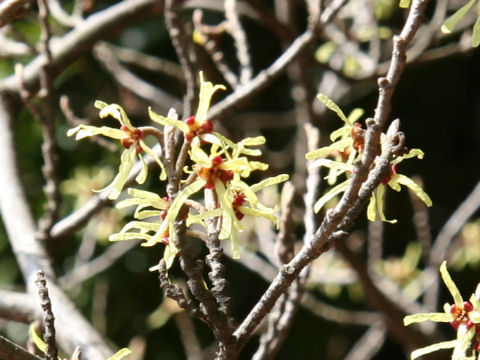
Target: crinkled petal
[476,30]
[269,215]
[412,185]
[200,157]
[120,354]
[165,121]
[457,297]
[129,236]
[181,197]
[453,20]
[211,138]
[169,254]
[334,107]
[115,111]
[207,89]
[152,198]
[344,131]
[431,348]
[380,195]
[142,226]
[127,161]
[269,182]
[437,317]
[149,151]
[412,153]
[83,131]
[340,145]
[142,175]
[144,214]
[198,218]
[356,114]
[330,195]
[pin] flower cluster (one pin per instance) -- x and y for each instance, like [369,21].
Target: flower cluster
[219,165]
[463,316]
[348,145]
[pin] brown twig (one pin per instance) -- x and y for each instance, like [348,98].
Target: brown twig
[182,45]
[132,82]
[51,352]
[11,10]
[240,40]
[12,351]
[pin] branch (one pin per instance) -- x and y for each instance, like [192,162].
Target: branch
[268,76]
[11,10]
[11,351]
[73,329]
[17,306]
[51,352]
[79,41]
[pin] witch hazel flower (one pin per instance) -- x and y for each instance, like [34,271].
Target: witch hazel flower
[463,316]
[131,139]
[234,205]
[197,126]
[348,144]
[150,224]
[394,180]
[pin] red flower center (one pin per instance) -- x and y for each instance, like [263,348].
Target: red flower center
[460,315]
[215,172]
[132,137]
[238,200]
[195,129]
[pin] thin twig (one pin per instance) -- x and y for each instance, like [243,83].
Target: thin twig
[132,82]
[51,352]
[12,351]
[240,40]
[18,306]
[182,45]
[369,344]
[11,10]
[99,264]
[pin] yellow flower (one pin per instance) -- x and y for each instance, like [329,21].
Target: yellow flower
[156,229]
[234,205]
[198,125]
[348,144]
[464,316]
[394,181]
[131,139]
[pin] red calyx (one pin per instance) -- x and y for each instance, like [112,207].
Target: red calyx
[126,142]
[163,214]
[455,324]
[392,171]
[190,120]
[210,185]
[239,215]
[207,126]
[217,160]
[467,306]
[239,199]
[226,176]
